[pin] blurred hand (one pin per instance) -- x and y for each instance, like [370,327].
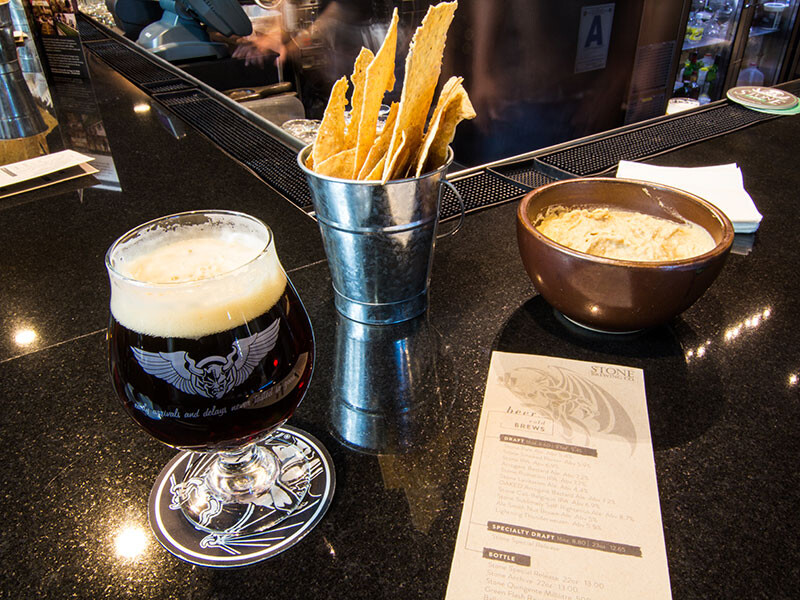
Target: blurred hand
[260,45]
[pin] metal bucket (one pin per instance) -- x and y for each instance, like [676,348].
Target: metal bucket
[379,240]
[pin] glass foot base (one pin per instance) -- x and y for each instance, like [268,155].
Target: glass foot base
[259,496]
[202,530]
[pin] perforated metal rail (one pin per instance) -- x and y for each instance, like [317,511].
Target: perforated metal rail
[603,155]
[595,157]
[274,162]
[267,157]
[88,32]
[135,67]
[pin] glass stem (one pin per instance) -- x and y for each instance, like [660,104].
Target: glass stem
[243,475]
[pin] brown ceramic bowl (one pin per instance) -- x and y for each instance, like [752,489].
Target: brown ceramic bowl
[619,295]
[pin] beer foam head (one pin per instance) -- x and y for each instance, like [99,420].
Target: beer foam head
[194,279]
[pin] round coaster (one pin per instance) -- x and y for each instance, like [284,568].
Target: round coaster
[762,97]
[240,545]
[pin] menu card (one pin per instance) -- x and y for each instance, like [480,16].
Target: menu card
[562,501]
[42,171]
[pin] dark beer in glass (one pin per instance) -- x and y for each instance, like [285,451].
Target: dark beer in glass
[183,392]
[210,348]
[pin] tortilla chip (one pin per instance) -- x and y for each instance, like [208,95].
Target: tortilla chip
[456,108]
[378,150]
[339,165]
[330,137]
[405,147]
[379,79]
[423,66]
[358,79]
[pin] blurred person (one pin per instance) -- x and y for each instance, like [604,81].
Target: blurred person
[520,66]
[323,49]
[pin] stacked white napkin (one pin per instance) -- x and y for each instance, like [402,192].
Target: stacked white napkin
[721,185]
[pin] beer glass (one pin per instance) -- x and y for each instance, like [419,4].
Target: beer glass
[211,350]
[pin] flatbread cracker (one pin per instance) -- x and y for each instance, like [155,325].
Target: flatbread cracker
[377,170]
[358,79]
[379,79]
[423,66]
[455,107]
[381,144]
[405,147]
[403,163]
[392,165]
[339,165]
[330,136]
[444,97]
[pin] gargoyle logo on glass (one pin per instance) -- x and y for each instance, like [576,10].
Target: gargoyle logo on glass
[214,376]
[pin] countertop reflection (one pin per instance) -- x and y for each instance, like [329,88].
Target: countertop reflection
[387,400]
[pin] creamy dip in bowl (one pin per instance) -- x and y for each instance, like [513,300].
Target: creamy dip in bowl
[619,294]
[624,234]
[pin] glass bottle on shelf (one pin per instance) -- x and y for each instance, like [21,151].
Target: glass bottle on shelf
[694,73]
[695,28]
[702,76]
[690,69]
[710,87]
[750,76]
[689,86]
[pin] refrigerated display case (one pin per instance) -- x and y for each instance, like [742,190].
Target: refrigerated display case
[766,47]
[734,42]
[708,49]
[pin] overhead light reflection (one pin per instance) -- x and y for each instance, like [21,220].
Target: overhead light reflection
[698,352]
[732,333]
[331,549]
[25,337]
[751,322]
[131,542]
[793,379]
[198,504]
[141,108]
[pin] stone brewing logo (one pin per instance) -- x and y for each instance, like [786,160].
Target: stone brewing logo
[611,372]
[214,376]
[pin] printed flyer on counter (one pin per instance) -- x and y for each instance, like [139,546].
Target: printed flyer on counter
[57,25]
[562,500]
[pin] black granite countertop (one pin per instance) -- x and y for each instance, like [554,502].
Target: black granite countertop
[721,382]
